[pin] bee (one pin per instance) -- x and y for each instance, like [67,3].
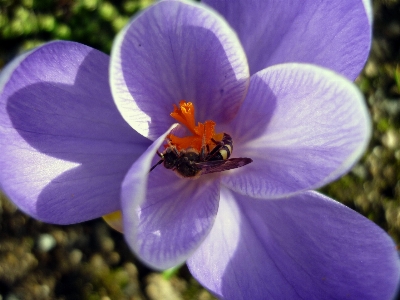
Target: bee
[191,163]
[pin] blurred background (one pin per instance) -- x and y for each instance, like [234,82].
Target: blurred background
[90,260]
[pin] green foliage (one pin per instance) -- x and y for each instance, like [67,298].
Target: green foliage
[169,273]
[27,23]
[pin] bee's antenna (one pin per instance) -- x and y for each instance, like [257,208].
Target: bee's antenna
[159,162]
[203,146]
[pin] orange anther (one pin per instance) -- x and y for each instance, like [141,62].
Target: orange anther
[203,133]
[185,115]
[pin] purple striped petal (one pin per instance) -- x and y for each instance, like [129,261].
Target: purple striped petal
[177,50]
[302,125]
[304,247]
[166,217]
[65,147]
[332,34]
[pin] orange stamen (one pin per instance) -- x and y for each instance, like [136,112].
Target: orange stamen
[218,136]
[185,115]
[203,133]
[186,142]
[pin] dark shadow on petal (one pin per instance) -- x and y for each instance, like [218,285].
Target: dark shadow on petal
[257,109]
[254,115]
[192,69]
[77,123]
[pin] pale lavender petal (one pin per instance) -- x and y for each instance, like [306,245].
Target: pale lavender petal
[304,247]
[332,34]
[302,125]
[65,149]
[166,217]
[177,50]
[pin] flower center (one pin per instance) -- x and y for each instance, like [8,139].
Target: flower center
[202,135]
[200,153]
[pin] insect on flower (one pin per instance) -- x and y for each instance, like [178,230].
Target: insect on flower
[191,156]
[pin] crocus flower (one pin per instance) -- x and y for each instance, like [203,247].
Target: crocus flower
[72,150]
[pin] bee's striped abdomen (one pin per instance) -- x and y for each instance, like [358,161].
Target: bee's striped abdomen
[223,150]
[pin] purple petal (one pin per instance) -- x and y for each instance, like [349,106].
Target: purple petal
[65,147]
[332,34]
[177,50]
[304,247]
[302,125]
[166,217]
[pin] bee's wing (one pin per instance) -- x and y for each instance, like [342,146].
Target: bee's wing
[222,165]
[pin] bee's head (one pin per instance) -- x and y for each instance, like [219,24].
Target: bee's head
[170,158]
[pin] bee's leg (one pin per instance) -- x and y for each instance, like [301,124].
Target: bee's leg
[176,152]
[204,147]
[203,154]
[208,149]
[173,149]
[220,143]
[216,149]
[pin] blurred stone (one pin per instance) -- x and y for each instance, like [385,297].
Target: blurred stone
[362,201]
[41,291]
[132,288]
[371,70]
[46,242]
[75,237]
[16,259]
[107,244]
[392,214]
[17,223]
[131,269]
[97,261]
[204,295]
[390,174]
[393,29]
[381,48]
[360,171]
[113,258]
[391,139]
[392,107]
[160,289]
[397,154]
[7,205]
[373,196]
[377,151]
[60,237]
[11,297]
[36,285]
[75,257]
